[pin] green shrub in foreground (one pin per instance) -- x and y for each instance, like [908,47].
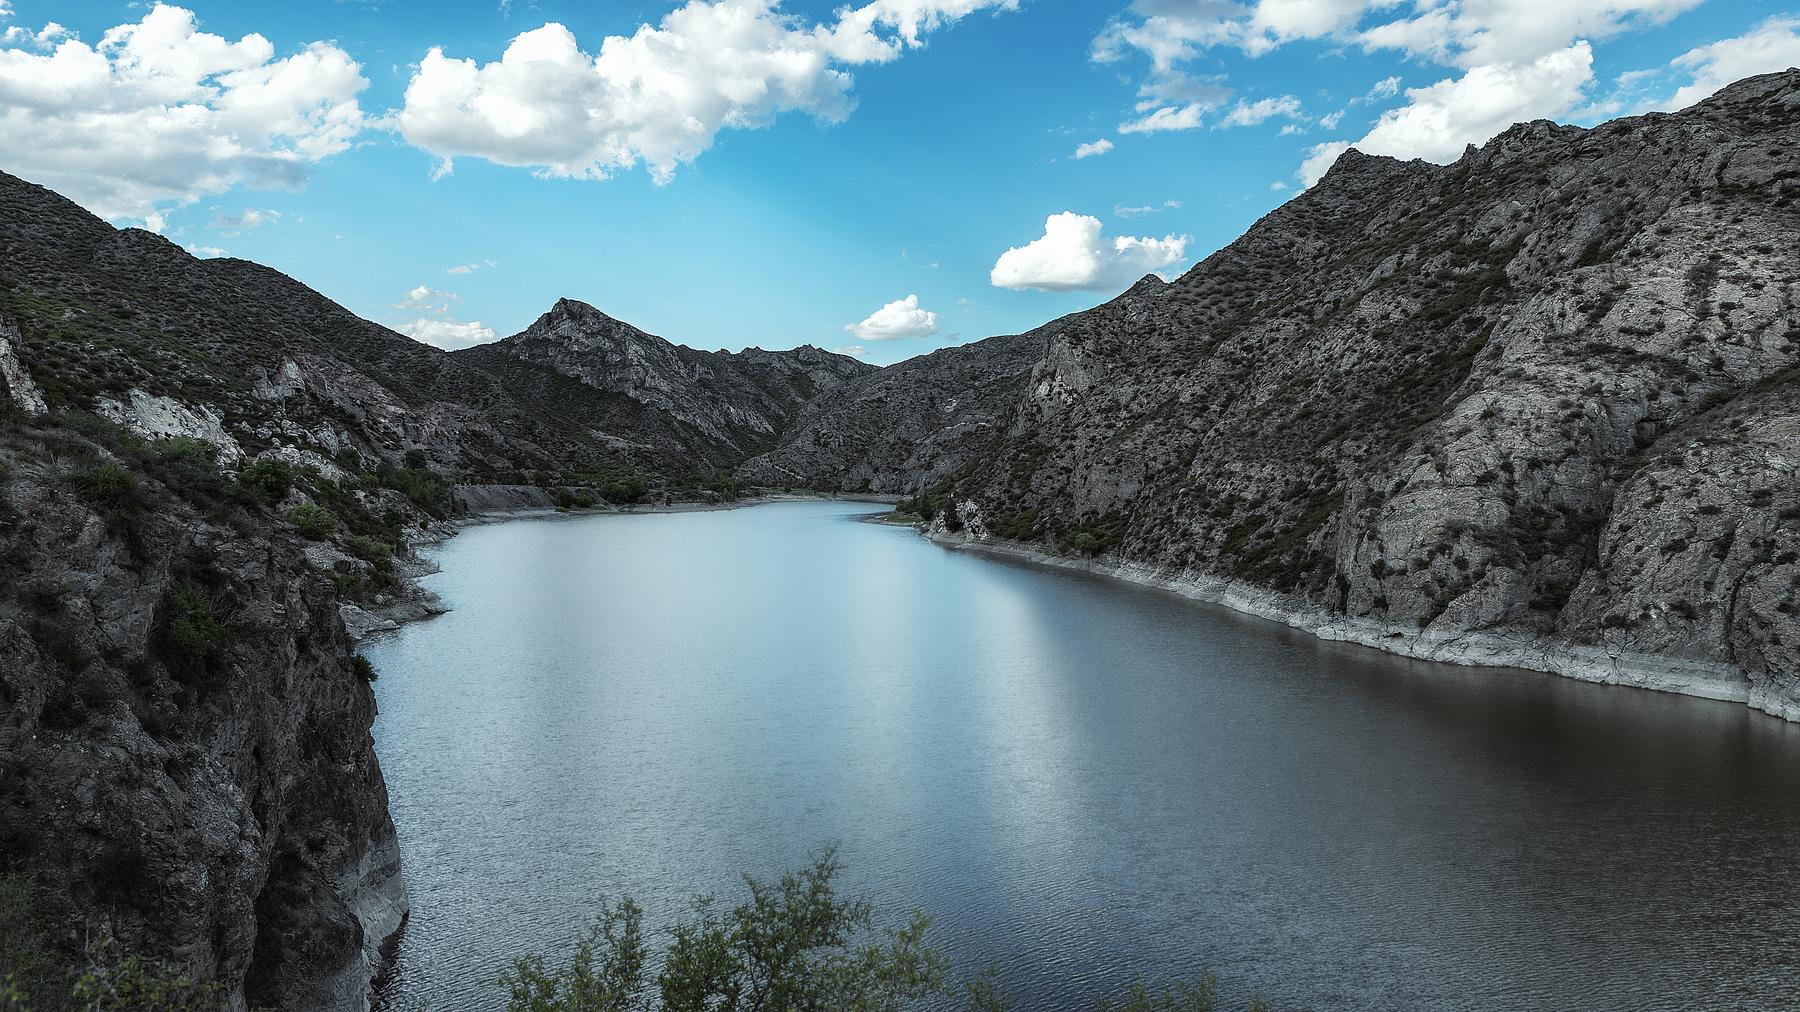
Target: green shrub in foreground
[793,945]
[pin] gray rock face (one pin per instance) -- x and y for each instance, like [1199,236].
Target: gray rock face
[1535,407]
[185,744]
[20,388]
[700,409]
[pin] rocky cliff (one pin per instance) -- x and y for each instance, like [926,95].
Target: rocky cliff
[185,737]
[1535,407]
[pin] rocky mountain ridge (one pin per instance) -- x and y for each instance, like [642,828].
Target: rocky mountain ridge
[1535,407]
[708,410]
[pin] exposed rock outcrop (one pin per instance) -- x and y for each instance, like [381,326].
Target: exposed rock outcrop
[185,739]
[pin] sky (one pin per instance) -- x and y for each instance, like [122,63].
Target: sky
[882,179]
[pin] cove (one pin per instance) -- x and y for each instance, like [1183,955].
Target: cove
[1084,781]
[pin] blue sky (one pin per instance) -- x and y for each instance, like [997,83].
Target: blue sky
[768,182]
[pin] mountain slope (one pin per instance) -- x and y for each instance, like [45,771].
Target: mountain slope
[103,312]
[906,425]
[699,410]
[1534,407]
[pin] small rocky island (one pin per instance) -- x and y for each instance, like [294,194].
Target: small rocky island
[1539,407]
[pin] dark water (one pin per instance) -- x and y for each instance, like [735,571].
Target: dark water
[1083,781]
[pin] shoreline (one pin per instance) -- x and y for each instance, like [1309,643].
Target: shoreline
[1520,650]
[415,603]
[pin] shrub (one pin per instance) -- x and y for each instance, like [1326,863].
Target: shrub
[267,480]
[426,489]
[363,666]
[193,627]
[109,488]
[139,984]
[314,522]
[793,944]
[34,924]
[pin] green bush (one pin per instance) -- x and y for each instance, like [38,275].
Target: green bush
[793,944]
[267,480]
[109,488]
[315,523]
[193,626]
[34,939]
[571,499]
[427,490]
[363,666]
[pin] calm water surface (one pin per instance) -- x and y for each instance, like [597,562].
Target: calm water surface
[1083,781]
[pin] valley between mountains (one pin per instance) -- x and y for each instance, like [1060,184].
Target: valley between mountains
[1539,407]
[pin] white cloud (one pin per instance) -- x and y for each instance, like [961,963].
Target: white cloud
[427,299]
[1465,33]
[1132,211]
[1471,33]
[898,319]
[447,334]
[244,220]
[159,113]
[1099,147]
[1773,45]
[852,350]
[1440,120]
[1168,117]
[470,268]
[1073,255]
[204,251]
[661,95]
[1261,110]
[1494,44]
[1387,87]
[1319,159]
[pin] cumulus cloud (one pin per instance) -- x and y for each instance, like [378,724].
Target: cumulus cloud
[1440,120]
[159,113]
[1773,45]
[852,350]
[427,299]
[1512,60]
[1092,148]
[1464,33]
[659,96]
[1320,159]
[447,334]
[1262,110]
[898,319]
[1072,255]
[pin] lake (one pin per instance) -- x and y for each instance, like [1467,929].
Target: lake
[1082,780]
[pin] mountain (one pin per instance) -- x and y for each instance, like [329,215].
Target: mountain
[1538,407]
[127,323]
[694,410]
[905,426]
